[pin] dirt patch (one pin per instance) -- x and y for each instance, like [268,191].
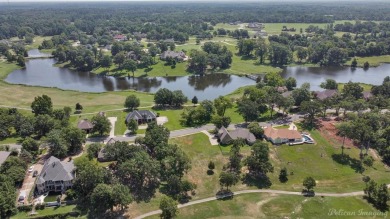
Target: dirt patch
[329,132]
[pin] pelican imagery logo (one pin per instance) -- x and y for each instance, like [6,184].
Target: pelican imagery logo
[360,212]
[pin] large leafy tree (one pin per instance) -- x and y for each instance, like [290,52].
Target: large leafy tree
[42,105]
[74,139]
[258,162]
[300,95]
[130,65]
[221,104]
[31,145]
[248,109]
[102,198]
[155,135]
[168,207]
[132,102]
[57,144]
[89,175]
[352,89]
[198,62]
[173,161]
[14,168]
[100,124]
[311,108]
[121,195]
[309,183]
[228,179]
[43,124]
[141,173]
[7,196]
[329,84]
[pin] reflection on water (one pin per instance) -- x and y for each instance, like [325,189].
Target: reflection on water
[316,75]
[40,72]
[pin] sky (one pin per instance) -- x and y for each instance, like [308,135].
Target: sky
[184,0]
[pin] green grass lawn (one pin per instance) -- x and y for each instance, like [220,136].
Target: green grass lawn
[52,197]
[373,60]
[37,42]
[275,206]
[316,160]
[366,87]
[22,96]
[157,70]
[46,212]
[276,28]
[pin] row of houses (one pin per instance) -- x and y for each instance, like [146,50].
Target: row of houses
[322,95]
[141,116]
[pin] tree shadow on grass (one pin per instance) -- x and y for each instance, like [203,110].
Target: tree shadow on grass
[307,125]
[261,182]
[381,208]
[345,159]
[250,57]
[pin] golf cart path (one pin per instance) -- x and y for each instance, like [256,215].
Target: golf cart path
[348,194]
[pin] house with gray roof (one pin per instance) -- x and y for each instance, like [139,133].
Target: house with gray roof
[141,116]
[226,137]
[179,56]
[56,176]
[3,156]
[325,94]
[102,157]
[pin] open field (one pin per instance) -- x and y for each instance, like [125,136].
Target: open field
[157,70]
[276,28]
[373,60]
[37,42]
[276,206]
[320,162]
[366,87]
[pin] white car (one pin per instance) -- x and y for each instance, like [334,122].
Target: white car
[31,169]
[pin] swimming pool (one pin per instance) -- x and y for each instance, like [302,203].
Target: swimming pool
[307,139]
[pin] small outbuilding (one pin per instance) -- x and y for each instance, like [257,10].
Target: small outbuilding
[85,125]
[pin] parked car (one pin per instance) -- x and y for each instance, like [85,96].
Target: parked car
[35,173]
[22,196]
[30,169]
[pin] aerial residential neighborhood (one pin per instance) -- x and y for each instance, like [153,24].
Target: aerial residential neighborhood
[194,109]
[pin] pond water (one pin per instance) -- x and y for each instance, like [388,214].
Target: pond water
[316,75]
[36,53]
[41,72]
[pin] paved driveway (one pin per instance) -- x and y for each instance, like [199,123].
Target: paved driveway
[28,182]
[112,120]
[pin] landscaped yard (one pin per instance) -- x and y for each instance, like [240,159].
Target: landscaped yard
[46,212]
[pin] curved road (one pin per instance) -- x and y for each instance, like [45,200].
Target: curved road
[359,193]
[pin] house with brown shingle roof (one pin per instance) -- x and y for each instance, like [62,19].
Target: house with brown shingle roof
[85,125]
[281,136]
[3,156]
[325,94]
[226,137]
[367,95]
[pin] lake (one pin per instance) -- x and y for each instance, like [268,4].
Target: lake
[41,72]
[316,75]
